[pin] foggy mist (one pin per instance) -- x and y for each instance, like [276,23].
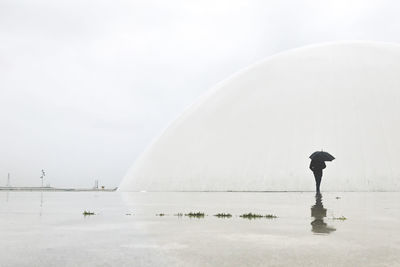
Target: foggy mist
[85,86]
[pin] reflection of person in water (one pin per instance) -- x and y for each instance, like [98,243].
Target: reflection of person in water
[319,213]
[317,166]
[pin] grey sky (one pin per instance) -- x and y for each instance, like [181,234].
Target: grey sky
[85,86]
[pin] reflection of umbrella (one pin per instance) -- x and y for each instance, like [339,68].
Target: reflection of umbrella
[322,156]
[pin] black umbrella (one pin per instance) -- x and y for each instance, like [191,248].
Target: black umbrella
[322,156]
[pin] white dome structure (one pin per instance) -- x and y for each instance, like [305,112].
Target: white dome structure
[256,130]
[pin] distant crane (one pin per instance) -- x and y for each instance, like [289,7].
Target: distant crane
[96,184]
[42,176]
[8,180]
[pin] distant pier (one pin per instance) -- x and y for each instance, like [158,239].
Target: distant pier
[55,189]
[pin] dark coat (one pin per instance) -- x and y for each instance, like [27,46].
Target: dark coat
[317,165]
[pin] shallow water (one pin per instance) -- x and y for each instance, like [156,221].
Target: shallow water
[48,229]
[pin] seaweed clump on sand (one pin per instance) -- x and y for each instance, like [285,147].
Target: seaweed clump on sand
[195,214]
[341,218]
[223,215]
[251,216]
[88,213]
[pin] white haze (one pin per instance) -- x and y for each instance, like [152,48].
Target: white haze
[255,131]
[86,85]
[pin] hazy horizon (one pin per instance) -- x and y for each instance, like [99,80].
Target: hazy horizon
[86,86]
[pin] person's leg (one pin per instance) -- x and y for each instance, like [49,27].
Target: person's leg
[318,182]
[317,176]
[319,179]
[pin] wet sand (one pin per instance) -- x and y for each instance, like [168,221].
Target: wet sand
[339,229]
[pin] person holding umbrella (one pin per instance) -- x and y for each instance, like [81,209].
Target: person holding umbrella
[317,164]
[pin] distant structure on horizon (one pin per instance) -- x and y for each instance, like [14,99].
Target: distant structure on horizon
[8,180]
[255,130]
[42,176]
[96,184]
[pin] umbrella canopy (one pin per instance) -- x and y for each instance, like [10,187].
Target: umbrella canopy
[322,156]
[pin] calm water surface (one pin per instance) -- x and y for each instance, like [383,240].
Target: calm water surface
[48,229]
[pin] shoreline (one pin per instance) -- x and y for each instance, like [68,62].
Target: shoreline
[55,189]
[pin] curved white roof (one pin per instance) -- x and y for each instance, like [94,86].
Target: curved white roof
[255,130]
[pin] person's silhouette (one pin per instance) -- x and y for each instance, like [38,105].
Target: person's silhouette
[317,166]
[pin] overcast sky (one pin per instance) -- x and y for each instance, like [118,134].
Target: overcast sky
[85,86]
